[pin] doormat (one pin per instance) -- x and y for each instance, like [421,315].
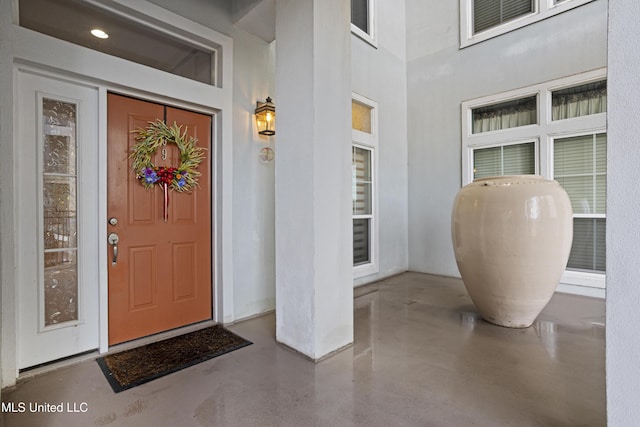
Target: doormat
[140,365]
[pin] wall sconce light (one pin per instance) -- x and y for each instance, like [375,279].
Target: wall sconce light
[266,117]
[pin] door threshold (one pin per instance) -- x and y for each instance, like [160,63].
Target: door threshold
[139,342]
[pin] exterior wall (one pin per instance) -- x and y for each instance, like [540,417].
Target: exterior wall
[380,74]
[441,76]
[623,229]
[253,180]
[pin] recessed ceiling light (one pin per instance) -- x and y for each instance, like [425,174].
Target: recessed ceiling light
[99,33]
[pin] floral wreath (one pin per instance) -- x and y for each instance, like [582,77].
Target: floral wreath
[150,139]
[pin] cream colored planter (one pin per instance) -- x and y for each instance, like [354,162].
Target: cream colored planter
[511,237]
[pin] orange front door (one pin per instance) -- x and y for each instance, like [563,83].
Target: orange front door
[161,278]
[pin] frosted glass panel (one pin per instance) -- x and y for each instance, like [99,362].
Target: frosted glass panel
[60,287]
[59,202]
[59,211]
[360,117]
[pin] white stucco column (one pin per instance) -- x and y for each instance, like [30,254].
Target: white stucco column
[314,286]
[623,218]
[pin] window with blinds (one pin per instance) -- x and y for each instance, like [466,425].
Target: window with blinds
[505,115]
[580,166]
[361,196]
[491,13]
[515,159]
[579,101]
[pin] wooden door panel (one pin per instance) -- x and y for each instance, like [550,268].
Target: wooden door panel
[162,279]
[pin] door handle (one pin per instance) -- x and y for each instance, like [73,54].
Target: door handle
[113,239]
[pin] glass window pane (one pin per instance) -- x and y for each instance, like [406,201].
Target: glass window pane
[505,115]
[71,20]
[361,239]
[583,100]
[515,159]
[580,167]
[361,181]
[60,287]
[59,211]
[360,14]
[487,162]
[519,159]
[581,193]
[588,251]
[490,13]
[573,155]
[601,153]
[601,194]
[360,117]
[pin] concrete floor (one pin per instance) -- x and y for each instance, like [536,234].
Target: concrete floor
[421,357]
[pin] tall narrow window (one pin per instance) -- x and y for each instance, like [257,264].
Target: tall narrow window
[59,207]
[363,186]
[361,203]
[580,166]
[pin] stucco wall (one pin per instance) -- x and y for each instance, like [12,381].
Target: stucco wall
[441,76]
[380,74]
[253,180]
[623,222]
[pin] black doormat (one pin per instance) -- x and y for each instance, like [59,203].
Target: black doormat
[143,364]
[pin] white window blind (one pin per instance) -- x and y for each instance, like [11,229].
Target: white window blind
[580,166]
[579,101]
[515,159]
[505,115]
[490,13]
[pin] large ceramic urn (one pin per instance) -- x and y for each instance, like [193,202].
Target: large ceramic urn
[511,237]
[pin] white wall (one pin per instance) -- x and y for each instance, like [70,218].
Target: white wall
[380,74]
[623,222]
[440,76]
[253,180]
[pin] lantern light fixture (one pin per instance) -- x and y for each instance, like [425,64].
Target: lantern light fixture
[266,117]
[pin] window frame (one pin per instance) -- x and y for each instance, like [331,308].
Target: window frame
[369,37]
[544,133]
[369,142]
[542,9]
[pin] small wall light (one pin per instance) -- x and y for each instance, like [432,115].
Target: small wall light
[266,117]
